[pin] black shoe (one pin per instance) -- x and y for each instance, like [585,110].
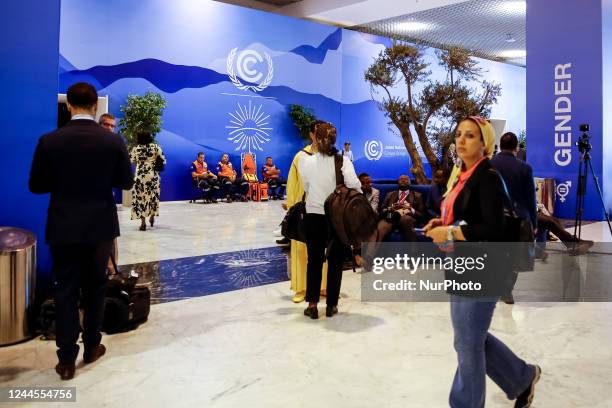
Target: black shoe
[214,201]
[229,199]
[331,310]
[283,241]
[526,398]
[89,356]
[312,312]
[143,227]
[65,371]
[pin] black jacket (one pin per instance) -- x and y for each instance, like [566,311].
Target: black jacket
[481,205]
[79,165]
[414,198]
[518,176]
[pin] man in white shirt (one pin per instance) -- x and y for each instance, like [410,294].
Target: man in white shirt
[346,152]
[371,193]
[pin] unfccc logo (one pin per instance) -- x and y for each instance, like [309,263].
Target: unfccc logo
[244,66]
[373,149]
[563,190]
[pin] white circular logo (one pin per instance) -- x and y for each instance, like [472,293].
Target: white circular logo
[245,67]
[563,190]
[373,149]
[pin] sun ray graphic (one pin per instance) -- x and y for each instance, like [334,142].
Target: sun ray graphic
[248,128]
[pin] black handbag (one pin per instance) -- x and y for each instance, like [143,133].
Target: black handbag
[293,226]
[159,165]
[519,232]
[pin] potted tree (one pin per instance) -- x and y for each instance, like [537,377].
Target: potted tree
[141,113]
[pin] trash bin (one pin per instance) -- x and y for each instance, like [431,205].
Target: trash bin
[17,283]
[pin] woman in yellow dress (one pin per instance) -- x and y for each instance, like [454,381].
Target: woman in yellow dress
[299,255]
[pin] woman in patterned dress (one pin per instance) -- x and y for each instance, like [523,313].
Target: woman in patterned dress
[145,193]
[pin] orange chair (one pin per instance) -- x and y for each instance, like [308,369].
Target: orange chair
[249,173]
[262,192]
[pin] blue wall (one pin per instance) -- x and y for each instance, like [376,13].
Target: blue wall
[565,32]
[28,108]
[182,51]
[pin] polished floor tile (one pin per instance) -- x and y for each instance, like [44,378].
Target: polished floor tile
[254,348]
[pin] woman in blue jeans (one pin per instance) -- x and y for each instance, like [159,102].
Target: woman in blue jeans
[473,211]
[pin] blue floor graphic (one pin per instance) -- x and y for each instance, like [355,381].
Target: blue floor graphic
[185,278]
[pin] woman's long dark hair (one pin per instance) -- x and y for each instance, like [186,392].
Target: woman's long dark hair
[326,139]
[144,138]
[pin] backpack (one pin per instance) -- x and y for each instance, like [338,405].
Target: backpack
[292,226]
[349,212]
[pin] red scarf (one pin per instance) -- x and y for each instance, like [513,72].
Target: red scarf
[448,216]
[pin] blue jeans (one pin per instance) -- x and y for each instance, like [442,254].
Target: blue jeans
[480,354]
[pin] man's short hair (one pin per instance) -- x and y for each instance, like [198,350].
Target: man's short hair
[347,143]
[200,154]
[106,116]
[313,125]
[82,95]
[269,157]
[508,141]
[362,175]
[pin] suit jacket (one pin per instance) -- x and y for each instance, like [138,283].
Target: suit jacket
[374,198]
[415,199]
[79,165]
[434,200]
[519,179]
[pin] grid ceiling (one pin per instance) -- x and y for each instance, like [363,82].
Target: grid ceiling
[482,26]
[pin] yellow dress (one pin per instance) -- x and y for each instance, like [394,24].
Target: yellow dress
[299,255]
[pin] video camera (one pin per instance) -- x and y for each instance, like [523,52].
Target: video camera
[583,143]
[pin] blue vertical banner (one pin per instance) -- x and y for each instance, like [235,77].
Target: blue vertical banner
[564,90]
[28,108]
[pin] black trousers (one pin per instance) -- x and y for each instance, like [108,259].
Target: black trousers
[318,235]
[80,272]
[277,187]
[209,188]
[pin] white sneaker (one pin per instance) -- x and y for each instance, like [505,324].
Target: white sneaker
[277,232]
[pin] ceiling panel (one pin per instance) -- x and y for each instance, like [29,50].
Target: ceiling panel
[492,29]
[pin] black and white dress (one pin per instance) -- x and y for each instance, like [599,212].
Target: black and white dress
[145,193]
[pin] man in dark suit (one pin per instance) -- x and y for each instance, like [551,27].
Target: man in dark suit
[402,209]
[79,165]
[518,177]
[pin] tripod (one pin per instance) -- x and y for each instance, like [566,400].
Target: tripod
[583,171]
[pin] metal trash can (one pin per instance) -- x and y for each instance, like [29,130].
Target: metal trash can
[17,283]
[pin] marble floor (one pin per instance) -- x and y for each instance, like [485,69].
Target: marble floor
[253,347]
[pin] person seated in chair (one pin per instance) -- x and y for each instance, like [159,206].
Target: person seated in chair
[402,209]
[271,175]
[434,200]
[232,185]
[204,179]
[371,193]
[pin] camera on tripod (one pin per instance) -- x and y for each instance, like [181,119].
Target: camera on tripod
[584,143]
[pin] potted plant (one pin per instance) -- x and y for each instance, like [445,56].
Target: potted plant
[302,118]
[141,113]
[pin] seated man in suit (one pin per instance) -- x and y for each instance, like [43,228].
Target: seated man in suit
[231,184]
[402,209]
[204,179]
[271,175]
[371,193]
[434,199]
